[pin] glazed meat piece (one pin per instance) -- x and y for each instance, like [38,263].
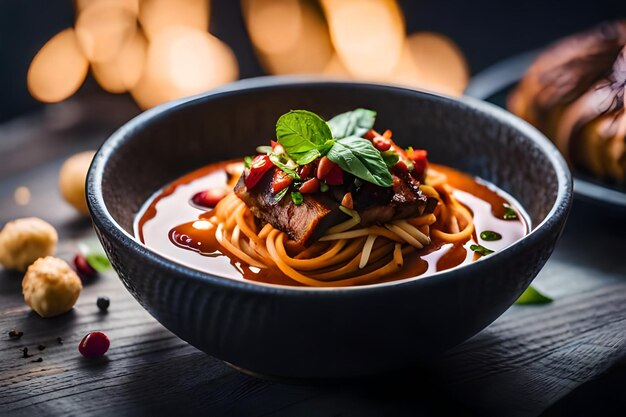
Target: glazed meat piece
[303,223]
[307,222]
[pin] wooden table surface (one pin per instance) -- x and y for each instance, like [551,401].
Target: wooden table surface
[524,364]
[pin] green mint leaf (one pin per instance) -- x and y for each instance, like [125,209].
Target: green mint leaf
[276,160]
[481,250]
[358,157]
[98,262]
[509,213]
[490,235]
[279,195]
[296,197]
[390,157]
[302,133]
[353,123]
[532,296]
[247,161]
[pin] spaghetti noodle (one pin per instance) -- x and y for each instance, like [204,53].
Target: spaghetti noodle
[347,254]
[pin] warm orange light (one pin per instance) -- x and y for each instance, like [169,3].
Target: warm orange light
[290,39]
[181,62]
[274,26]
[440,64]
[103,28]
[122,73]
[368,35]
[156,15]
[22,196]
[58,69]
[131,5]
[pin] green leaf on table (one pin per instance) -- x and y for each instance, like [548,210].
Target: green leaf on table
[353,123]
[360,158]
[97,261]
[303,134]
[532,296]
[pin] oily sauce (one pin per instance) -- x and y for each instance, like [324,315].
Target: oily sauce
[170,224]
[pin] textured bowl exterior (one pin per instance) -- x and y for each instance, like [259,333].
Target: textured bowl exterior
[290,332]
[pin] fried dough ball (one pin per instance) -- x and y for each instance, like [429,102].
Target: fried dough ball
[23,241]
[72,180]
[51,287]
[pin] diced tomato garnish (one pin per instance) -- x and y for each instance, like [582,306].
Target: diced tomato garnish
[260,165]
[273,143]
[387,134]
[371,134]
[280,181]
[419,157]
[324,167]
[381,143]
[335,176]
[306,171]
[310,186]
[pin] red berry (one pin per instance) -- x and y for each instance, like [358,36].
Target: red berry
[83,268]
[94,344]
[209,198]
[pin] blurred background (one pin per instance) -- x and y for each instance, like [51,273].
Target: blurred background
[152,51]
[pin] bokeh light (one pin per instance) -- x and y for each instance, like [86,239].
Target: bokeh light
[59,68]
[161,50]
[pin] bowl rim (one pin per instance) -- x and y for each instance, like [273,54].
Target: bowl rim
[104,220]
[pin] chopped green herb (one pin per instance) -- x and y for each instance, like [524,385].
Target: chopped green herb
[297,198]
[390,157]
[532,296]
[324,187]
[279,195]
[490,235]
[509,213]
[304,135]
[247,161]
[278,161]
[350,212]
[264,149]
[360,158]
[481,250]
[353,123]
[98,262]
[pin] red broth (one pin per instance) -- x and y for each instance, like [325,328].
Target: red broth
[171,225]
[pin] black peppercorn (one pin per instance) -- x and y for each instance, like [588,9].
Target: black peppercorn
[60,340]
[25,353]
[41,347]
[103,303]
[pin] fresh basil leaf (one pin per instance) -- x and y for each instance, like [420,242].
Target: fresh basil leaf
[490,235]
[247,161]
[481,250]
[291,172]
[98,262]
[390,157]
[509,213]
[302,133]
[279,195]
[358,157]
[353,123]
[296,197]
[532,296]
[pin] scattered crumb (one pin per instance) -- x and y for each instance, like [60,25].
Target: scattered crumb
[41,347]
[15,334]
[25,353]
[60,340]
[39,359]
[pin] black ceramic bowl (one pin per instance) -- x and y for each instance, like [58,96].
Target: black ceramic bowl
[282,331]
